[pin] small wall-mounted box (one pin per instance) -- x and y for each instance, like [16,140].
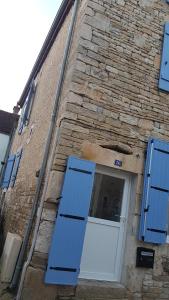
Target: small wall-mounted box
[145,257]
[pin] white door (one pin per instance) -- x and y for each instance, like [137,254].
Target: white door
[103,248]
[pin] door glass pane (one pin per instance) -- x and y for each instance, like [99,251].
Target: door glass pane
[107,198]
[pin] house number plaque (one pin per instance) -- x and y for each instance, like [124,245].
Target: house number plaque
[118,163]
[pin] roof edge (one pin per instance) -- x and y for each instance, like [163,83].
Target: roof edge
[55,27]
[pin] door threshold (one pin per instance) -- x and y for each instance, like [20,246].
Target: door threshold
[100,283]
[97,277]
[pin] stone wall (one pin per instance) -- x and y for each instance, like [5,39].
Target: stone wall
[110,98]
[114,101]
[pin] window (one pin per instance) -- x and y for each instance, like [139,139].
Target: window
[107,197]
[11,170]
[26,110]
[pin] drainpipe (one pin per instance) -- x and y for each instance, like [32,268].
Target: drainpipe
[43,169]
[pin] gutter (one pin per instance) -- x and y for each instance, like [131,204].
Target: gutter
[56,25]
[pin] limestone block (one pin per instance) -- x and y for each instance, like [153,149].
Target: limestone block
[139,40]
[74,98]
[88,291]
[9,256]
[76,128]
[98,21]
[35,288]
[54,186]
[86,32]
[89,45]
[44,237]
[128,119]
[49,214]
[131,163]
[121,2]
[80,66]
[146,124]
[96,7]
[112,70]
[146,3]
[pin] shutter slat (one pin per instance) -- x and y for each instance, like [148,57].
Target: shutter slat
[68,236]
[164,71]
[154,215]
[15,168]
[8,171]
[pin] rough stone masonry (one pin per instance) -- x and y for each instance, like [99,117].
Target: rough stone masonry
[110,98]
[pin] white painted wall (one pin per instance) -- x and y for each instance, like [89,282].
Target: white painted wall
[4,140]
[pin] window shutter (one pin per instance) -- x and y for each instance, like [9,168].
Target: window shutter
[68,236]
[164,72]
[154,215]
[8,171]
[15,168]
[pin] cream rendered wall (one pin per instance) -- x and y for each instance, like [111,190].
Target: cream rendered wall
[33,138]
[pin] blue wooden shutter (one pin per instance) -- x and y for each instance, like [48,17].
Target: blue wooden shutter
[8,171]
[164,72]
[15,168]
[67,243]
[154,215]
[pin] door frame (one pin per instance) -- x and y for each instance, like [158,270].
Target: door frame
[100,169]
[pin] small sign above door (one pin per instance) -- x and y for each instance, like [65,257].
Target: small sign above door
[118,163]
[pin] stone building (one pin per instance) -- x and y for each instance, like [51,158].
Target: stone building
[97,94]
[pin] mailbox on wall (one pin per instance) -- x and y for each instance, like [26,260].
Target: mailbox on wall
[145,257]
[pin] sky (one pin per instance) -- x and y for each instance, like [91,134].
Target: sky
[24,25]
